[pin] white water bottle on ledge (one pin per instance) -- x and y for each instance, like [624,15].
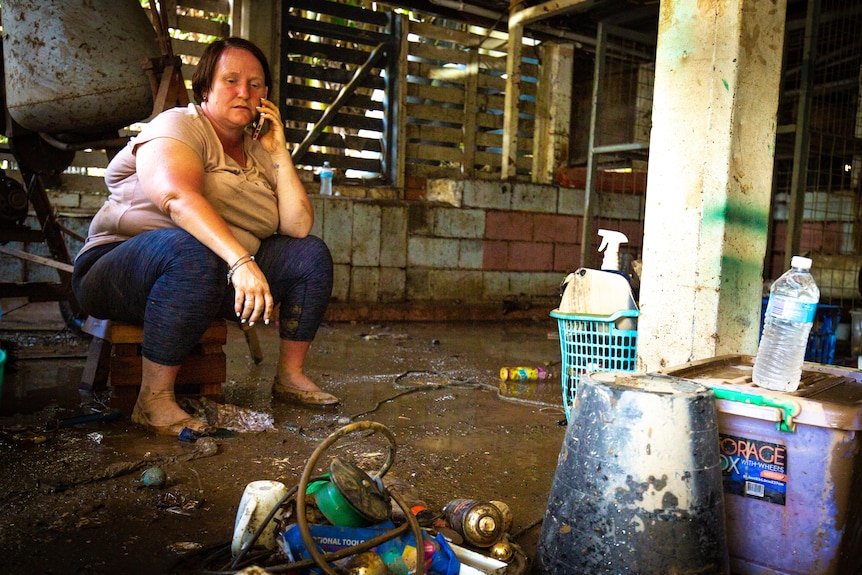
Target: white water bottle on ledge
[789,316]
[326,179]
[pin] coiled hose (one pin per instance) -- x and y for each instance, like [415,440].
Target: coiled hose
[318,559]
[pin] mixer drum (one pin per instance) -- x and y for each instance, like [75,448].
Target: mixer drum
[76,67]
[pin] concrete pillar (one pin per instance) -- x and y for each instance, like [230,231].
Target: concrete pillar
[718,66]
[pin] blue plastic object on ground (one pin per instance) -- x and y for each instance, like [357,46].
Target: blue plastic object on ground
[330,538]
[822,339]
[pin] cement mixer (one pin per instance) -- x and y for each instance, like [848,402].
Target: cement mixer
[74,74]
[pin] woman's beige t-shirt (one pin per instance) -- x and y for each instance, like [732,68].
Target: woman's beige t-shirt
[243,196]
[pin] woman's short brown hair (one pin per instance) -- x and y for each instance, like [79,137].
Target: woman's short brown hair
[202,78]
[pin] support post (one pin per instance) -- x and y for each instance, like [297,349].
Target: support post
[718,69]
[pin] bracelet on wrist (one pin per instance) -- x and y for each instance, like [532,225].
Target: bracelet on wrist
[242,257]
[239,263]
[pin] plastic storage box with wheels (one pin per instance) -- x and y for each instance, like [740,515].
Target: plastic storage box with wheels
[791,467]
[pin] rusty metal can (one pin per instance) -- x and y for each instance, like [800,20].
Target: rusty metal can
[480,523]
[506,512]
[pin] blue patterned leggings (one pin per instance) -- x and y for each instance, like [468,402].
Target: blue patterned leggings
[174,286]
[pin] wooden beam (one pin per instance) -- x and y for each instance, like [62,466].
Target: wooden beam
[553,112]
[471,89]
[37,259]
[513,96]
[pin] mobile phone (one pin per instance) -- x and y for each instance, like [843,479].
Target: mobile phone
[258,127]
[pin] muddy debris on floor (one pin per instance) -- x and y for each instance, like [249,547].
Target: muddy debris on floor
[77,497]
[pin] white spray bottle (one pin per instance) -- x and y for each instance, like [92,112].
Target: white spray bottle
[615,285]
[604,291]
[611,241]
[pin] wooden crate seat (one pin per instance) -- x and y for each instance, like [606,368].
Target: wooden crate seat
[114,357]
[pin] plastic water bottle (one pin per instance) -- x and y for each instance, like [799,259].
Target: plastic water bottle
[326,179]
[789,316]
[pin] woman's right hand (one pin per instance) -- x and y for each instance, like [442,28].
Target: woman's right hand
[252,300]
[172,176]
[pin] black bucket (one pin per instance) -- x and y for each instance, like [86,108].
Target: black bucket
[638,486]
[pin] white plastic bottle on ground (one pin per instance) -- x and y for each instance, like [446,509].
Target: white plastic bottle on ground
[789,316]
[326,179]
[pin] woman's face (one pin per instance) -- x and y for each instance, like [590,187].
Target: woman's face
[237,87]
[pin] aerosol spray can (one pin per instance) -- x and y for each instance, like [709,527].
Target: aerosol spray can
[514,373]
[480,523]
[506,513]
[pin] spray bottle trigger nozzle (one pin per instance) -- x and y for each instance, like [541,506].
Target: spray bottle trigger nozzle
[611,241]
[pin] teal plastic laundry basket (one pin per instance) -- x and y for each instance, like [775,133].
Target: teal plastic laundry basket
[591,343]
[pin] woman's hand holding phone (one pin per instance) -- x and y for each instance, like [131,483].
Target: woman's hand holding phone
[258,123]
[272,137]
[258,126]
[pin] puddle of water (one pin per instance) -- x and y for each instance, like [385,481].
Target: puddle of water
[37,390]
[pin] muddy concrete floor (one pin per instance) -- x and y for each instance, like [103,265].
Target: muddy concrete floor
[72,499]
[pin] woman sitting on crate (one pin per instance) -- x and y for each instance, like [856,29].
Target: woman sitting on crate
[204,221]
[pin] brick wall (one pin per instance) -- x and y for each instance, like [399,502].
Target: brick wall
[473,242]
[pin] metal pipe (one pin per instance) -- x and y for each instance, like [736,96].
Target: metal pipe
[470,8]
[346,91]
[578,39]
[117,142]
[546,10]
[498,16]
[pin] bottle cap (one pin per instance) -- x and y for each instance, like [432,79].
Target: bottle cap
[800,262]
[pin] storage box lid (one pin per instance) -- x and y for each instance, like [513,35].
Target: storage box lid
[827,396]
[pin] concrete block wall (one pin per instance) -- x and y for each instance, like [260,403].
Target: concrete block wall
[479,243]
[473,242]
